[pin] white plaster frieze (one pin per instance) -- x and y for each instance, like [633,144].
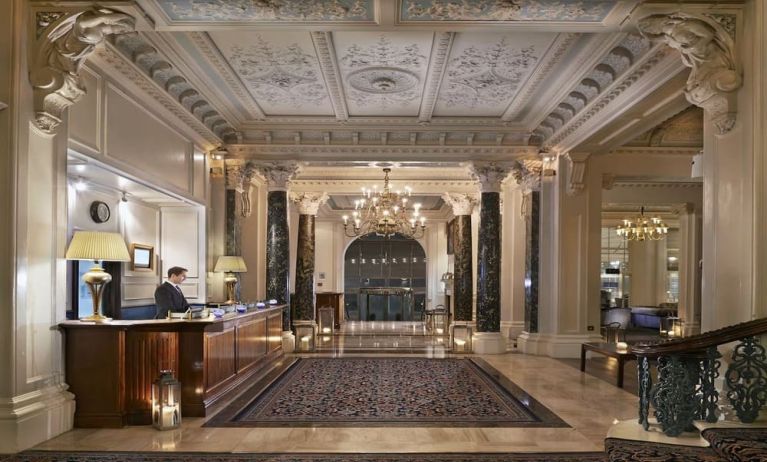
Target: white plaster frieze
[708,49]
[377,152]
[308,202]
[60,51]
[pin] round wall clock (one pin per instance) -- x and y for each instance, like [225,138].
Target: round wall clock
[100,211]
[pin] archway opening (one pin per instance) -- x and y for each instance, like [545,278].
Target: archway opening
[384,279]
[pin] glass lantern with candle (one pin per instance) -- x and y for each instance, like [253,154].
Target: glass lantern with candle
[166,401]
[304,335]
[325,318]
[461,338]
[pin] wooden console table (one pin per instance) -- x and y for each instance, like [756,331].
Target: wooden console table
[110,367]
[610,350]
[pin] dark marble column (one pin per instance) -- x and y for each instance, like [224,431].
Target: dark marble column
[278,252]
[488,339]
[532,252]
[463,267]
[277,175]
[303,302]
[489,264]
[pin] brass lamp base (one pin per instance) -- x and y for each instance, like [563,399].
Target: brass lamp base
[231,283]
[96,279]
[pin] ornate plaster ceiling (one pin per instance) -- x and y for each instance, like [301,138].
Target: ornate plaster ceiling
[466,79]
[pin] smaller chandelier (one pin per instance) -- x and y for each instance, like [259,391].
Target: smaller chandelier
[385,213]
[643,228]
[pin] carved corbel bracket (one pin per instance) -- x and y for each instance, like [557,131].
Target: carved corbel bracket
[308,202]
[277,173]
[709,50]
[60,50]
[577,172]
[462,204]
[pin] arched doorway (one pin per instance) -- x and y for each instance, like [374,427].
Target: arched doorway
[384,279]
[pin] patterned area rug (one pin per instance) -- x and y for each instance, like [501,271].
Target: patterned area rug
[619,450]
[44,456]
[740,444]
[379,392]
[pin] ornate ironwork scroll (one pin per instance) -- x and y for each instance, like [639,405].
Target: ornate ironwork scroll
[645,385]
[746,379]
[709,395]
[674,395]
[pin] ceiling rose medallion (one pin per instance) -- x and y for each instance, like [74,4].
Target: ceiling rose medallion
[383,80]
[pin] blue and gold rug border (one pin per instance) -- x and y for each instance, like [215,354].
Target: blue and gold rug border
[543,417]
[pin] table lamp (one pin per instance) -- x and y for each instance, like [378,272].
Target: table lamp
[97,245]
[230,264]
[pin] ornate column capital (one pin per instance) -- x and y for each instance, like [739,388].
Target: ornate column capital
[527,174]
[577,173]
[308,202]
[61,49]
[709,50]
[277,173]
[490,174]
[239,177]
[462,204]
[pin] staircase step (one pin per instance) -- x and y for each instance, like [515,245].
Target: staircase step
[620,450]
[738,444]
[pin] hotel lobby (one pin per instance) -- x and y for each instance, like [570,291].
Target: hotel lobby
[383,230]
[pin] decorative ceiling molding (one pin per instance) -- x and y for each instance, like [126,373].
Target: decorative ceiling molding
[562,44]
[344,137]
[323,44]
[655,151]
[612,69]
[148,59]
[657,185]
[380,152]
[217,61]
[653,70]
[424,187]
[65,40]
[109,56]
[277,122]
[708,49]
[437,65]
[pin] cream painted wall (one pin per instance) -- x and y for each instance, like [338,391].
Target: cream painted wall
[182,240]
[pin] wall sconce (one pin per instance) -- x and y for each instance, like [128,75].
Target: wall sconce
[166,402]
[548,161]
[305,336]
[461,338]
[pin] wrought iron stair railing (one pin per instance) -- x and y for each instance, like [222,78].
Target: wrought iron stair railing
[687,372]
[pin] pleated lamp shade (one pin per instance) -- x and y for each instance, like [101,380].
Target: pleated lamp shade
[97,245]
[230,264]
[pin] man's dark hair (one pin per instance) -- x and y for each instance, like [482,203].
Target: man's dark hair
[176,270]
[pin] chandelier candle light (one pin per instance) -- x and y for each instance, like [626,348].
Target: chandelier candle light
[642,228]
[385,213]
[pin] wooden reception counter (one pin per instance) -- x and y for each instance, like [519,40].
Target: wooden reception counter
[110,367]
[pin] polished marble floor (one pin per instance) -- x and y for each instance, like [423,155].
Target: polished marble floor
[588,404]
[386,336]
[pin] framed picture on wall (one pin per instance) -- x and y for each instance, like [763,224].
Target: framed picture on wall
[142,257]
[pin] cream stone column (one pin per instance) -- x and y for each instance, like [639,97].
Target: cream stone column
[39,80]
[488,338]
[278,174]
[690,230]
[734,170]
[647,260]
[513,260]
[568,302]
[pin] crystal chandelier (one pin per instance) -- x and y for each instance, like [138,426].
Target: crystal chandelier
[642,228]
[385,213]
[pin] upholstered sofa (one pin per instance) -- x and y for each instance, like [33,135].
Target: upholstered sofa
[650,316]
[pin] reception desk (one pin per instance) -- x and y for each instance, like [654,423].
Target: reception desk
[110,367]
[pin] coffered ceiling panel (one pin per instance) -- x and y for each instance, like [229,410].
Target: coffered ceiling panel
[506,10]
[279,68]
[485,72]
[383,73]
[268,11]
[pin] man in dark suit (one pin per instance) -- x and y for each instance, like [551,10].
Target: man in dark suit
[168,296]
